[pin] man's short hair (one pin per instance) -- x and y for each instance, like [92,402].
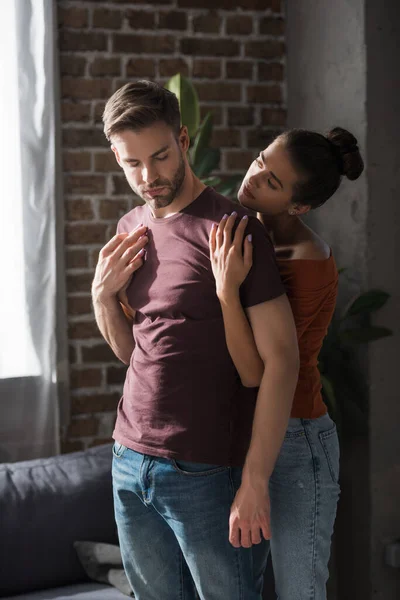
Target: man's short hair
[138,105]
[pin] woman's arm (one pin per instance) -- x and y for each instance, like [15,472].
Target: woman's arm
[230,267]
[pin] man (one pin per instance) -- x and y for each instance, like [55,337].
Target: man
[185,509]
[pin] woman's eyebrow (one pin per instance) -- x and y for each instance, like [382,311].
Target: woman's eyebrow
[272,174]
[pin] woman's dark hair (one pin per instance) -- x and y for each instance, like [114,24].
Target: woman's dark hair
[321,161]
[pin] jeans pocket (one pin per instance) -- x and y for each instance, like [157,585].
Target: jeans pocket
[193,469]
[330,445]
[118,449]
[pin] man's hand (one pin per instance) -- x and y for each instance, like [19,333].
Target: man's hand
[118,260]
[250,514]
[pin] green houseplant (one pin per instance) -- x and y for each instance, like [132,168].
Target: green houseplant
[203,158]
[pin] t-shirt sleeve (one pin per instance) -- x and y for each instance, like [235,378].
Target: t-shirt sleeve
[263,281]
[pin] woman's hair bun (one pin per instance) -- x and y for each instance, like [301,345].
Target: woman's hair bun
[346,150]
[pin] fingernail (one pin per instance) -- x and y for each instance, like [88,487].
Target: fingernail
[225,216]
[245,217]
[250,237]
[234,214]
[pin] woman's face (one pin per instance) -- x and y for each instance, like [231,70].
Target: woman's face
[268,185]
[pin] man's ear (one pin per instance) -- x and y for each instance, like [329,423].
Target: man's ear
[113,148]
[184,140]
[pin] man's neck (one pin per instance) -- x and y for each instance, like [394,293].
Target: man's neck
[191,189]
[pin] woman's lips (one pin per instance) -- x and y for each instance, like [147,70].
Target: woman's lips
[247,192]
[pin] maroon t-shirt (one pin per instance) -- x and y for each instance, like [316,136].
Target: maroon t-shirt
[182,396]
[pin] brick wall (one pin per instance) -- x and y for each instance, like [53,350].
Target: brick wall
[235,57]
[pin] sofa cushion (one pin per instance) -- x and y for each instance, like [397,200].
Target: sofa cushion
[45,506]
[81,591]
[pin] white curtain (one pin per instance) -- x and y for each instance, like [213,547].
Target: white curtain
[29,412]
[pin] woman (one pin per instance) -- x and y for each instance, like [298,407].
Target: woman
[298,172]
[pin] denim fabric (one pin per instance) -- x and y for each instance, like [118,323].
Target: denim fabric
[304,492]
[173,525]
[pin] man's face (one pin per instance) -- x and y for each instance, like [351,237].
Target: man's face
[153,161]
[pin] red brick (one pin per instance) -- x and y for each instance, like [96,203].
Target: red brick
[226,138]
[77,259]
[116,375]
[80,138]
[73,17]
[94,253]
[106,162]
[215,110]
[172,66]
[82,42]
[79,305]
[84,378]
[105,66]
[210,69]
[241,115]
[230,92]
[113,209]
[136,43]
[83,330]
[120,185]
[72,65]
[208,23]
[239,69]
[90,233]
[76,161]
[141,67]
[68,446]
[175,20]
[72,354]
[270,26]
[83,427]
[274,5]
[273,116]
[79,210]
[265,50]
[85,89]
[140,19]
[270,72]
[84,184]
[100,353]
[264,93]
[79,282]
[260,138]
[239,24]
[205,4]
[73,111]
[98,115]
[239,160]
[105,18]
[209,46]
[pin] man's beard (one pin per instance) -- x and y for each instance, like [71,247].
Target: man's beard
[174,187]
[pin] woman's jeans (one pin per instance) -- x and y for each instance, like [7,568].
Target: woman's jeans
[304,491]
[173,522]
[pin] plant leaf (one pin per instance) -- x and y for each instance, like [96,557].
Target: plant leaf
[208,162]
[188,102]
[202,140]
[230,186]
[368,302]
[363,335]
[212,181]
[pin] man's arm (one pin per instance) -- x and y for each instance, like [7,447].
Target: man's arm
[118,260]
[275,336]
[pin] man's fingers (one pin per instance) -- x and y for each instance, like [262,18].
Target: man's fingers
[266,531]
[245,537]
[248,252]
[256,535]
[129,240]
[113,244]
[228,230]
[239,233]
[220,232]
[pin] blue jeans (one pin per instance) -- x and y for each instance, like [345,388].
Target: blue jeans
[304,492]
[173,527]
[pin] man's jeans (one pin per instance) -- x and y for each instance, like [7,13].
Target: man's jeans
[173,526]
[304,491]
[174,515]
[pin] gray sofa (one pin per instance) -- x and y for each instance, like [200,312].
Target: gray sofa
[45,506]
